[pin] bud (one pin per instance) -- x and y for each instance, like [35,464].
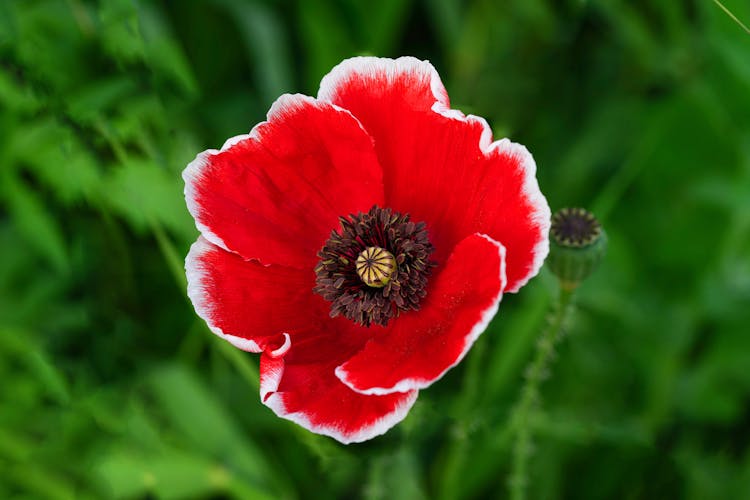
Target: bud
[577,245]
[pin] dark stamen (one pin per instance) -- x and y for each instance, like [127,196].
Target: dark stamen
[375,267]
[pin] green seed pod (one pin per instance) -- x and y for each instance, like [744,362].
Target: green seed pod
[577,245]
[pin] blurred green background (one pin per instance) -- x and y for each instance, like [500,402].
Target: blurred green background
[110,386]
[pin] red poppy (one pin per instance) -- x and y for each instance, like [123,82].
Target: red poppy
[361,241]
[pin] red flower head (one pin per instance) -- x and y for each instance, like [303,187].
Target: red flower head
[361,242]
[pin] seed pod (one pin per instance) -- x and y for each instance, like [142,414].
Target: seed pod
[577,245]
[376,266]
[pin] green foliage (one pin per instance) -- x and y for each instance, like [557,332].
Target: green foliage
[111,387]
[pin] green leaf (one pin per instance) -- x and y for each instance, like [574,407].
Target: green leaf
[381,27]
[56,157]
[15,97]
[170,67]
[202,420]
[38,482]
[266,42]
[394,476]
[48,375]
[99,97]
[325,39]
[35,224]
[120,30]
[142,192]
[171,474]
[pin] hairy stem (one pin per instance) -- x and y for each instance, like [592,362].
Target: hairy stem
[732,16]
[529,399]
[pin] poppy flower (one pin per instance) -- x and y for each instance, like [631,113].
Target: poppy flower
[361,241]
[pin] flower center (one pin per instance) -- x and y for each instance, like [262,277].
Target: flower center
[575,227]
[375,266]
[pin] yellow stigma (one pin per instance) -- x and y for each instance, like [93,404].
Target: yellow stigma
[376,266]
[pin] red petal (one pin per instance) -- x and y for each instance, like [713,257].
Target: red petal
[302,387]
[442,167]
[276,194]
[251,305]
[421,346]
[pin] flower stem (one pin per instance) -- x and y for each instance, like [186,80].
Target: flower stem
[529,399]
[237,358]
[732,16]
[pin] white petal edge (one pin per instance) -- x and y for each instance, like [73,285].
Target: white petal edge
[198,295]
[542,215]
[270,384]
[191,175]
[479,327]
[283,349]
[392,68]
